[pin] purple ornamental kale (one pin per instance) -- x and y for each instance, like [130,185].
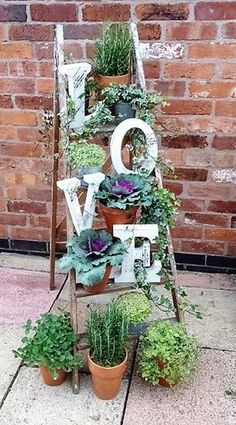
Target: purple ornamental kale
[123,188]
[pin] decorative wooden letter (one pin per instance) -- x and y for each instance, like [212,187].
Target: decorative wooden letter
[132,231]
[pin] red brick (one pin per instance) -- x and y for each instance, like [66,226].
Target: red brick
[156,12]
[177,188]
[191,31]
[226,108]
[230,30]
[27,68]
[214,51]
[215,10]
[28,134]
[222,206]
[43,50]
[82,31]
[182,232]
[53,12]
[209,219]
[6,101]
[14,193]
[40,221]
[184,141]
[18,118]
[20,150]
[224,143]
[73,49]
[45,85]
[31,32]
[33,102]
[231,249]
[170,88]
[3,36]
[110,12]
[15,50]
[27,207]
[12,219]
[42,195]
[191,174]
[189,70]
[7,132]
[211,191]
[90,50]
[45,69]
[17,85]
[192,205]
[202,247]
[175,156]
[13,69]
[229,72]
[30,234]
[149,31]
[152,69]
[188,107]
[213,89]
[3,68]
[219,234]
[13,13]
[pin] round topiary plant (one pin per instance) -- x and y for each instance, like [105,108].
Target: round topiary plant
[135,306]
[85,155]
[167,355]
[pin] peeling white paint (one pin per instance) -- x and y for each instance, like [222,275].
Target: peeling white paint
[189,221]
[224,176]
[161,50]
[201,94]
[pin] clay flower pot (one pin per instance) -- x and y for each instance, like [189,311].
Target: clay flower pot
[48,377]
[164,381]
[107,380]
[101,285]
[117,216]
[106,80]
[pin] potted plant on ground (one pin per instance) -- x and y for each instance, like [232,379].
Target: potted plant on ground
[112,55]
[167,355]
[88,158]
[107,360]
[136,308]
[121,196]
[92,254]
[49,345]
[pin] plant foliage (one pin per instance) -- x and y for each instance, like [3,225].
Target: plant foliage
[90,253]
[107,332]
[113,50]
[135,306]
[49,342]
[85,155]
[169,344]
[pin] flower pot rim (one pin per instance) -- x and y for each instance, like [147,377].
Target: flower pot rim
[109,367]
[112,76]
[120,209]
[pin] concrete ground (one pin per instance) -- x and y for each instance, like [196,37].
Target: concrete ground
[207,398]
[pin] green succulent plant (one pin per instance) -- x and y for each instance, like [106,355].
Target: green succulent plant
[169,344]
[49,342]
[134,305]
[90,253]
[85,155]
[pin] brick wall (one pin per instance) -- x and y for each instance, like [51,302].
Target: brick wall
[196,70]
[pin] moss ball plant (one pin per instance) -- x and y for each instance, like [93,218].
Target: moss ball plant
[135,306]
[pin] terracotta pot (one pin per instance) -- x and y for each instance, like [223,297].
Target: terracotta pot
[164,381]
[106,80]
[48,376]
[117,216]
[107,380]
[101,285]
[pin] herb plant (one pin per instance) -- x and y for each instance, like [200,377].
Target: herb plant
[134,305]
[90,253]
[50,343]
[113,50]
[82,155]
[124,191]
[107,332]
[170,345]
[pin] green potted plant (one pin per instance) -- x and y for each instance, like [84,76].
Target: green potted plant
[136,308]
[92,254]
[107,360]
[167,355]
[121,196]
[112,55]
[88,158]
[49,344]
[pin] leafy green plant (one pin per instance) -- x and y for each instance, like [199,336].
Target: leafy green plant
[169,345]
[124,191]
[113,50]
[134,305]
[90,253]
[137,97]
[49,342]
[85,155]
[107,332]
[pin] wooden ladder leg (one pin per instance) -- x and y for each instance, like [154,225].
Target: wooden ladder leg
[175,297]
[74,323]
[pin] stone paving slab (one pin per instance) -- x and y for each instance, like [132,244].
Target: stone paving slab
[10,336]
[32,402]
[200,401]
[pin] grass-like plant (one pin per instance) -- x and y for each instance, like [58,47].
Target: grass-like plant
[113,50]
[169,344]
[107,333]
[134,305]
[49,342]
[82,155]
